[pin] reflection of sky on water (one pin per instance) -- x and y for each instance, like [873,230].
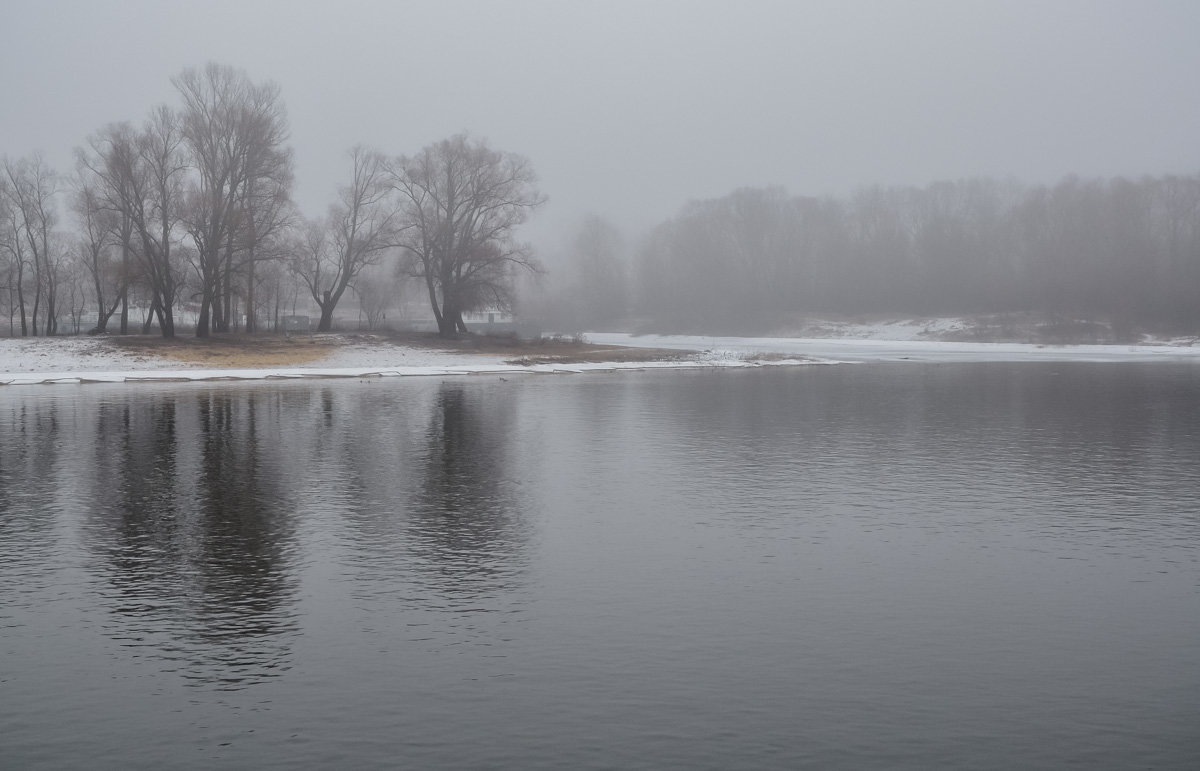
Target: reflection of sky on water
[440,571]
[1003,437]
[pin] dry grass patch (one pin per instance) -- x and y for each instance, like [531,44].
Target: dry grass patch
[231,351]
[241,351]
[518,352]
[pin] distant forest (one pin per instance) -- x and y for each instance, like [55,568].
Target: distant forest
[1122,252]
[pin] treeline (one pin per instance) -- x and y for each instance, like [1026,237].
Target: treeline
[192,209]
[1126,252]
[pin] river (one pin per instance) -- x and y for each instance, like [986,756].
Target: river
[858,566]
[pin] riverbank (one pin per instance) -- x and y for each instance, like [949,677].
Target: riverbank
[871,349]
[135,358]
[1027,327]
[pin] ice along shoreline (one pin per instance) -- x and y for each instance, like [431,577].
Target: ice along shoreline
[81,360]
[316,373]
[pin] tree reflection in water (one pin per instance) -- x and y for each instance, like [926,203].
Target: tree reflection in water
[245,536]
[196,536]
[420,479]
[30,450]
[189,504]
[466,514]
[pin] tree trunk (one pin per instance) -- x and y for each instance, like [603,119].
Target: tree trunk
[37,301]
[51,313]
[126,236]
[214,304]
[250,326]
[326,323]
[202,322]
[166,320]
[103,313]
[448,321]
[225,283]
[149,322]
[21,298]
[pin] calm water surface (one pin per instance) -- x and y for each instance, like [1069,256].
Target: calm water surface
[873,566]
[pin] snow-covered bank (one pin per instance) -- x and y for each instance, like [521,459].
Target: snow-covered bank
[30,361]
[296,373]
[1023,327]
[862,350]
[80,360]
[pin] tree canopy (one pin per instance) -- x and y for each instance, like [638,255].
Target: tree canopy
[462,202]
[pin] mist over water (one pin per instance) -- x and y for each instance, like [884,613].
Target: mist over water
[871,566]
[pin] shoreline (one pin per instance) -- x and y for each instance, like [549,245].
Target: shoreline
[344,373]
[80,360]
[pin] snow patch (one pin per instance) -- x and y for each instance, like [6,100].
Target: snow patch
[866,349]
[93,360]
[27,361]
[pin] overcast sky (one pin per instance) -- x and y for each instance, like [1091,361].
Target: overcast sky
[630,109]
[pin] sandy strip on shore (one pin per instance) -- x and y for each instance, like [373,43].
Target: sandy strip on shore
[27,361]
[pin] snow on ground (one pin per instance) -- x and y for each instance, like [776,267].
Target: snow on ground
[1026,327]
[881,329]
[93,359]
[832,350]
[26,361]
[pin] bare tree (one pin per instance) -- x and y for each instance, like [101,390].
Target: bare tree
[141,174]
[32,187]
[99,234]
[599,291]
[462,204]
[76,291]
[267,216]
[106,166]
[12,249]
[275,287]
[235,131]
[9,290]
[379,288]
[360,228]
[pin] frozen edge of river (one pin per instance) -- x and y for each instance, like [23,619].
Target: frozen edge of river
[67,362]
[205,375]
[859,350]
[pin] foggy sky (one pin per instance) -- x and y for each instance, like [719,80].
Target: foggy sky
[628,109]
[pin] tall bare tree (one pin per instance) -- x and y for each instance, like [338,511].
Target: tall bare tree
[463,202]
[141,173]
[32,187]
[12,252]
[267,216]
[99,234]
[235,132]
[104,167]
[359,230]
